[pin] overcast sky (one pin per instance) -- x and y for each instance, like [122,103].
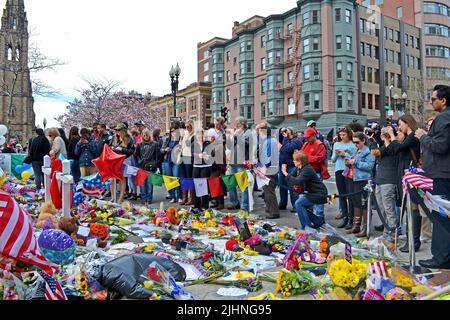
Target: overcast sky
[133,42]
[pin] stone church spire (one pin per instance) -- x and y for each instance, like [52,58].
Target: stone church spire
[16,101]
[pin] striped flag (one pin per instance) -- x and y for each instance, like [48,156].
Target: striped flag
[17,240]
[379,268]
[417,180]
[93,186]
[53,289]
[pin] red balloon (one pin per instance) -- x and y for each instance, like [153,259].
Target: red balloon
[110,164]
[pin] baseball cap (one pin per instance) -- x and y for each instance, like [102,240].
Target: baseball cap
[311,123]
[310,132]
[120,126]
[139,123]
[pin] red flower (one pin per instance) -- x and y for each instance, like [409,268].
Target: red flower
[207,255]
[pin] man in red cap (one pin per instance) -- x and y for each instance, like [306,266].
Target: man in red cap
[316,151]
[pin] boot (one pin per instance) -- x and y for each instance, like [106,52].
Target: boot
[356,222]
[363,229]
[184,199]
[191,198]
[351,211]
[416,231]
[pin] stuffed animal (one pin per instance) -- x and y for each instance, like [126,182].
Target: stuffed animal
[172,214]
[69,226]
[47,218]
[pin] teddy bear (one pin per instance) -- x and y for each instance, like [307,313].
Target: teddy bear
[47,218]
[69,226]
[172,214]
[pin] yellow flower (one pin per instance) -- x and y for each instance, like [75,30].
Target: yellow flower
[207,215]
[245,262]
[207,265]
[150,247]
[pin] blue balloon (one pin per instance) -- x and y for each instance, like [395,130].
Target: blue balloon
[19,169]
[26,166]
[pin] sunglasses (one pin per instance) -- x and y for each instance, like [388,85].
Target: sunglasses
[357,142]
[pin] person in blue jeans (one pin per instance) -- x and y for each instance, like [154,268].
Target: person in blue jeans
[290,143]
[243,149]
[313,191]
[147,154]
[170,166]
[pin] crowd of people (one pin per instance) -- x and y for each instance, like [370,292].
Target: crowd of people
[295,162]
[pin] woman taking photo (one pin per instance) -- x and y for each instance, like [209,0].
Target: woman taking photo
[123,145]
[359,169]
[408,151]
[203,164]
[342,149]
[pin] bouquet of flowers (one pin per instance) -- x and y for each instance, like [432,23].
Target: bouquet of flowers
[161,282]
[347,275]
[293,282]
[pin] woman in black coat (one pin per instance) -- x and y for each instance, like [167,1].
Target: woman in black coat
[408,151]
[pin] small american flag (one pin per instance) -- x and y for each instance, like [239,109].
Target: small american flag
[417,180]
[17,240]
[379,268]
[53,289]
[93,186]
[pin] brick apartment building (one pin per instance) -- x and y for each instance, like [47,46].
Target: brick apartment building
[433,17]
[330,61]
[194,102]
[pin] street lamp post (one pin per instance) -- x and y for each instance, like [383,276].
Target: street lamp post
[400,102]
[174,75]
[44,122]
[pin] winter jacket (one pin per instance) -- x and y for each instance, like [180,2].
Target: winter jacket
[39,148]
[101,141]
[127,151]
[317,158]
[86,152]
[172,144]
[59,147]
[364,163]
[436,156]
[403,150]
[387,166]
[244,147]
[314,189]
[71,149]
[287,150]
[147,155]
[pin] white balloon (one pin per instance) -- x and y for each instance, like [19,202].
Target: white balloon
[2,140]
[3,130]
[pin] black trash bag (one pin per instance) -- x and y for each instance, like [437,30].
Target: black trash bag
[123,275]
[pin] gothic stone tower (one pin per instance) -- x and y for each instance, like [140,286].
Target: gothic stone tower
[16,100]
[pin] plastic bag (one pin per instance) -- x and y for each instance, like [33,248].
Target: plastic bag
[123,275]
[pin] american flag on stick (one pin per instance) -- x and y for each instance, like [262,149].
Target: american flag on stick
[53,289]
[17,240]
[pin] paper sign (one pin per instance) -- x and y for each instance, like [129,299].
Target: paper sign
[83,231]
